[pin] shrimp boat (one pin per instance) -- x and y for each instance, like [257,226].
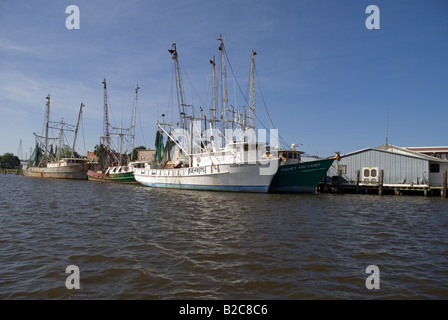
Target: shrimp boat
[115,166]
[200,157]
[123,174]
[223,170]
[47,163]
[297,176]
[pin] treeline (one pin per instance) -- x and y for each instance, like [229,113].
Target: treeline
[9,161]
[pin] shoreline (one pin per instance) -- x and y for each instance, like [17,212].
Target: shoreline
[11,171]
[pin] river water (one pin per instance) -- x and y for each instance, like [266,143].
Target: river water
[135,242]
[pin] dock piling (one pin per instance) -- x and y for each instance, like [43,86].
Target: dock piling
[357,180]
[443,193]
[380,188]
[339,181]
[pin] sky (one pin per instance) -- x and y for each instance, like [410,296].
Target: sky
[323,79]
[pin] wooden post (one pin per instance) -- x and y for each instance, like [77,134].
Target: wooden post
[357,180]
[325,184]
[339,180]
[380,189]
[443,193]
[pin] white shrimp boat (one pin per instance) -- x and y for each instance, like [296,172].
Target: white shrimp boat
[218,171]
[186,163]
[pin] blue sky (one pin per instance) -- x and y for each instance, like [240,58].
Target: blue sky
[327,81]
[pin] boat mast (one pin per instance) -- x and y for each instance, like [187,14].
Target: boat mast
[61,134]
[180,100]
[120,160]
[61,126]
[180,93]
[76,130]
[47,124]
[214,94]
[251,122]
[134,113]
[224,97]
[106,137]
[106,118]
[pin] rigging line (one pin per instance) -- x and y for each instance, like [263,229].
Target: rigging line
[234,76]
[233,73]
[45,120]
[170,106]
[256,117]
[262,98]
[111,111]
[83,138]
[208,90]
[173,79]
[141,129]
[192,86]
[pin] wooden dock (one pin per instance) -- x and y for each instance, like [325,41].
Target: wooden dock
[338,186]
[11,171]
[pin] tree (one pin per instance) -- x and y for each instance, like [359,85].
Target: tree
[103,156]
[133,155]
[9,160]
[66,152]
[99,149]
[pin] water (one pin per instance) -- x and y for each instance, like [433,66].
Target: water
[135,242]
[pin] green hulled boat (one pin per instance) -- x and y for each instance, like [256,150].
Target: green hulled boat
[114,166]
[300,176]
[123,174]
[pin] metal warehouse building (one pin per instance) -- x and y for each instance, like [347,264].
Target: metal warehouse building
[388,166]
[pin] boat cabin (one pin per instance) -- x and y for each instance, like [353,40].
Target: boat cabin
[65,162]
[290,156]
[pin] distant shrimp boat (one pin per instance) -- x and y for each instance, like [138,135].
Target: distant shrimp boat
[48,164]
[124,171]
[66,168]
[122,174]
[113,174]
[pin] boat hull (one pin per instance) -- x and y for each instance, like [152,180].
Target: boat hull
[301,177]
[126,177]
[76,172]
[224,177]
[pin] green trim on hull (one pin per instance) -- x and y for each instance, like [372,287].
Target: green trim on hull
[127,177]
[300,177]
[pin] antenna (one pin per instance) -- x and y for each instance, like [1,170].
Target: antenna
[20,152]
[387,126]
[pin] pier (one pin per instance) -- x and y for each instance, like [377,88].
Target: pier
[387,169]
[17,171]
[337,185]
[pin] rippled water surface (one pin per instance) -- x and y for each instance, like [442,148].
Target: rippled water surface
[135,242]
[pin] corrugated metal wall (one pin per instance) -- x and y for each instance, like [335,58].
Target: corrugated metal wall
[398,168]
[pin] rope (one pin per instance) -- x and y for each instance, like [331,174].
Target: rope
[256,117]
